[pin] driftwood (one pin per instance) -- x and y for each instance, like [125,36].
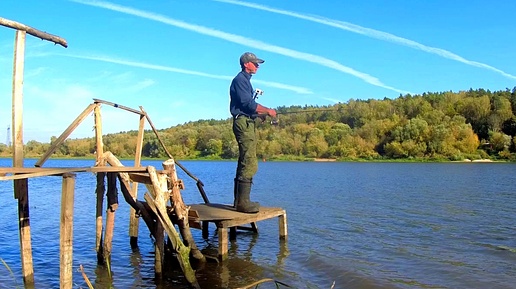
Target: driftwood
[155,214]
[156,199]
[180,210]
[33,31]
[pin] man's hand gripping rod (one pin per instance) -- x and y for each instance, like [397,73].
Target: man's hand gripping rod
[274,121]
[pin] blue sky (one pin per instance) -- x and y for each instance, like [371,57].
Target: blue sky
[176,58]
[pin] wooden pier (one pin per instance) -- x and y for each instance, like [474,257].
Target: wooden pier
[162,207]
[225,217]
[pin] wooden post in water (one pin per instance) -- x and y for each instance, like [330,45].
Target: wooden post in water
[282,222]
[133,220]
[112,205]
[100,190]
[180,209]
[21,191]
[66,231]
[157,199]
[160,189]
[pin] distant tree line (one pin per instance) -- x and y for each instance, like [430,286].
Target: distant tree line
[474,124]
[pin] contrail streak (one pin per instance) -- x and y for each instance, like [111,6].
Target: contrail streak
[300,90]
[371,33]
[243,41]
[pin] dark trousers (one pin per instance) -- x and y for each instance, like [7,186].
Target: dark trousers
[245,134]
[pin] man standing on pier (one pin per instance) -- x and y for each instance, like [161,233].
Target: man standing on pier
[245,110]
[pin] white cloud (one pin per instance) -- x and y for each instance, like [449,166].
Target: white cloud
[243,41]
[371,33]
[297,89]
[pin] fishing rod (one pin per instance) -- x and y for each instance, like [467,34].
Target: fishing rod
[307,111]
[275,121]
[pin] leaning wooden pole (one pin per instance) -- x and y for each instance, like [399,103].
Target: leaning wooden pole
[21,191]
[66,231]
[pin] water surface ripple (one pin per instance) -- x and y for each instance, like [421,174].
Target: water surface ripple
[355,225]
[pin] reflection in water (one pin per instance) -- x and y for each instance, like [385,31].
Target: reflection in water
[240,269]
[136,261]
[102,277]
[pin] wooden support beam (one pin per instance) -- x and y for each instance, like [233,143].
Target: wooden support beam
[282,220]
[17,99]
[112,206]
[117,106]
[99,149]
[205,230]
[159,247]
[223,242]
[101,189]
[66,231]
[21,191]
[25,173]
[64,135]
[33,32]
[99,192]
[133,220]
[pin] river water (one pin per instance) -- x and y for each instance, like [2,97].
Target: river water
[350,225]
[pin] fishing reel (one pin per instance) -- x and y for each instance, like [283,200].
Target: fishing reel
[257,92]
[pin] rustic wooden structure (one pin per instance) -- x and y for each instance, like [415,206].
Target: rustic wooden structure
[20,185]
[162,209]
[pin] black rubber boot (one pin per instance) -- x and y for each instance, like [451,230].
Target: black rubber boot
[243,201]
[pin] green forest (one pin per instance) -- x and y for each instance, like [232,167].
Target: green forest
[441,126]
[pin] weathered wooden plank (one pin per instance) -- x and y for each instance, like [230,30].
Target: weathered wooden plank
[22,173]
[33,31]
[66,231]
[118,106]
[220,212]
[227,218]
